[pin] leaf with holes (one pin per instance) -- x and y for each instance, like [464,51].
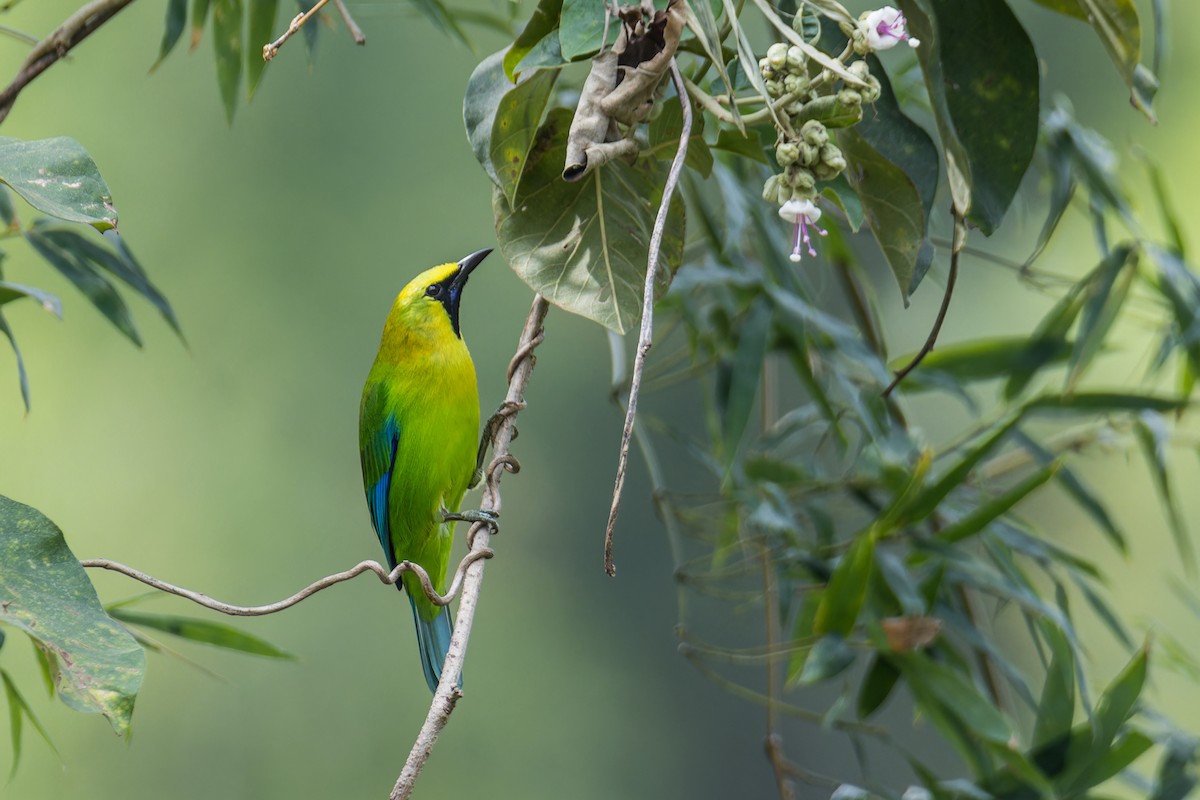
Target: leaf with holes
[44,592]
[58,177]
[584,245]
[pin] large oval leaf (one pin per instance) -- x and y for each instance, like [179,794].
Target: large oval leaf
[58,177]
[45,592]
[984,96]
[583,245]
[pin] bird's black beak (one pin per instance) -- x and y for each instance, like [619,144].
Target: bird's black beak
[468,265]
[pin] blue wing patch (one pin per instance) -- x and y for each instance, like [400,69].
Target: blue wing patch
[381,454]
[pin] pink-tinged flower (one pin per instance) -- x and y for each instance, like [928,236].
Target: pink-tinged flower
[803,214]
[886,27]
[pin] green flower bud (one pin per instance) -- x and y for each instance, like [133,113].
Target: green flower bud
[774,89]
[801,195]
[795,57]
[808,154]
[813,132]
[849,97]
[824,172]
[777,55]
[799,179]
[794,108]
[771,189]
[831,156]
[795,84]
[786,153]
[870,93]
[859,69]
[769,73]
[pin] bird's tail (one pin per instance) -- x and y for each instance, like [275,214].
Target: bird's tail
[433,640]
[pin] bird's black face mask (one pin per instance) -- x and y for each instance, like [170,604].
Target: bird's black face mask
[449,291]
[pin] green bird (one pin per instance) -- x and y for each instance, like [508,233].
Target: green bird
[418,433]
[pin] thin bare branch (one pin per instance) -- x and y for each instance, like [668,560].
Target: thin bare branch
[647,330]
[307,591]
[448,693]
[356,33]
[77,27]
[931,340]
[271,49]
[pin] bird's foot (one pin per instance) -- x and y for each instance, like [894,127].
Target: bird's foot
[507,409]
[489,518]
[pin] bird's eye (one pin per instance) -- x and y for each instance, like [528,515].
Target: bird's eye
[434,291]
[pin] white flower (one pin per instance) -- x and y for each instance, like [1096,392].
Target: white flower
[916,793]
[885,28]
[848,791]
[802,214]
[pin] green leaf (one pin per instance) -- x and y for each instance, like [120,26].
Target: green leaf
[199,18]
[985,98]
[703,23]
[986,359]
[1108,286]
[442,18]
[840,192]
[1116,23]
[1113,761]
[753,337]
[227,47]
[514,128]
[502,120]
[118,261]
[1155,439]
[748,146]
[1056,708]
[830,656]
[928,500]
[14,291]
[58,177]
[17,709]
[581,27]
[94,286]
[847,589]
[988,512]
[664,133]
[542,25]
[45,593]
[1047,342]
[261,30]
[892,209]
[1117,703]
[1091,402]
[172,29]
[877,686]
[935,684]
[584,245]
[197,630]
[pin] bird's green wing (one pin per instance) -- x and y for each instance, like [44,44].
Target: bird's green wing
[379,441]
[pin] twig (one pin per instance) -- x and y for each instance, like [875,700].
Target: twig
[931,340]
[45,53]
[448,693]
[773,744]
[271,49]
[647,328]
[308,591]
[355,32]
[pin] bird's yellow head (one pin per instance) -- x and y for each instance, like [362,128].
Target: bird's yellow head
[433,297]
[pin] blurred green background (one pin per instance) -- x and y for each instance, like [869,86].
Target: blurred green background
[230,465]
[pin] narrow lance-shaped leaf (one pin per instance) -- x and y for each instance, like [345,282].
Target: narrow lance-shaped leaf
[58,177]
[584,245]
[91,283]
[18,709]
[437,13]
[261,31]
[200,10]
[935,684]
[45,593]
[173,27]
[830,656]
[847,589]
[227,47]
[1056,708]
[1108,287]
[754,336]
[980,517]
[197,630]
[1154,437]
[1116,23]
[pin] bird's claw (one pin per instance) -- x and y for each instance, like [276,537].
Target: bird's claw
[489,518]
